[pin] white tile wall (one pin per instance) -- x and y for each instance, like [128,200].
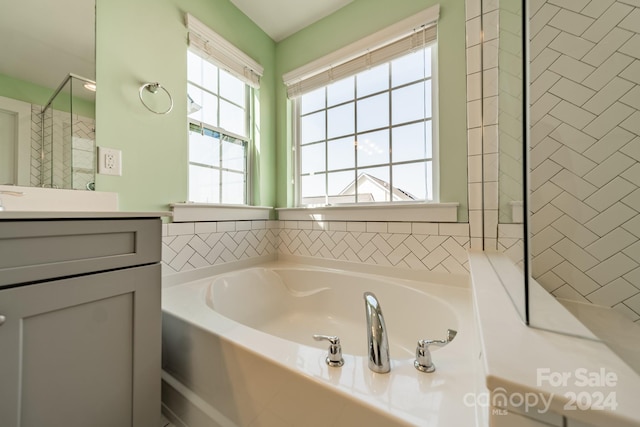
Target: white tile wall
[439,247]
[585,173]
[477,59]
[69,149]
[186,246]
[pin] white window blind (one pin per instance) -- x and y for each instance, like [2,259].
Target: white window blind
[213,47]
[379,48]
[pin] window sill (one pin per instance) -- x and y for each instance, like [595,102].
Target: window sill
[414,212]
[198,212]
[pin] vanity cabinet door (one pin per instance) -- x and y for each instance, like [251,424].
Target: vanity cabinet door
[72,352]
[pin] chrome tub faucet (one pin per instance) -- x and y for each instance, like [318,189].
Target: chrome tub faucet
[378,349]
[423,362]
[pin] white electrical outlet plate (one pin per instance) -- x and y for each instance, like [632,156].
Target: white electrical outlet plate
[109,161]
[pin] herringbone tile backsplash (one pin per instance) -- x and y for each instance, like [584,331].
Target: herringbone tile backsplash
[585,155]
[424,246]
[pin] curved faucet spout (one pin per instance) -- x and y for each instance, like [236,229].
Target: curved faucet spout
[376,335]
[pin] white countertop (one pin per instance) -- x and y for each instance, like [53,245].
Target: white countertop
[16,215]
[523,361]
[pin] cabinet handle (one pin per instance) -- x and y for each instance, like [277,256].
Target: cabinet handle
[2,319]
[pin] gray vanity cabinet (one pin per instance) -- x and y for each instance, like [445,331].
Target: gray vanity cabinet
[80,332]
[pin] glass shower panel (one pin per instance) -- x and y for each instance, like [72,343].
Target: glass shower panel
[585,167]
[67,156]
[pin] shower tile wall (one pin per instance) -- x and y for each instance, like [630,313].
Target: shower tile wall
[437,247]
[71,157]
[585,150]
[474,51]
[36,145]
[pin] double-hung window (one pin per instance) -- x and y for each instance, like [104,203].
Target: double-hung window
[365,127]
[220,82]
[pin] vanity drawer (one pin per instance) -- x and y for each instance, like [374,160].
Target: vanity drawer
[35,250]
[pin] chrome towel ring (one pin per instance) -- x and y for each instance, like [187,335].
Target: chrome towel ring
[154,88]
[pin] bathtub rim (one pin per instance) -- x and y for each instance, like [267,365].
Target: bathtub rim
[232,332]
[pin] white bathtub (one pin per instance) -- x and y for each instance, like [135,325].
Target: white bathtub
[238,351]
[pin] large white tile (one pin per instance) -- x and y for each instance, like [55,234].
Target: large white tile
[576,255]
[454,229]
[490,82]
[610,193]
[632,98]
[632,149]
[572,275]
[573,5]
[607,21]
[544,61]
[474,31]
[571,114]
[607,121]
[424,228]
[541,18]
[474,86]
[474,59]
[543,151]
[632,123]
[573,161]
[474,114]
[474,138]
[609,44]
[571,22]
[631,21]
[611,244]
[490,111]
[473,8]
[574,230]
[542,84]
[607,71]
[610,219]
[611,93]
[572,138]
[490,54]
[573,207]
[573,92]
[490,25]
[597,7]
[609,169]
[571,45]
[612,268]
[543,106]
[180,228]
[543,173]
[632,72]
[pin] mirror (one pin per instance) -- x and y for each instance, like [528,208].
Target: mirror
[41,44]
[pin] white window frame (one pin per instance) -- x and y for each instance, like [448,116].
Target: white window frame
[212,47]
[371,51]
[435,163]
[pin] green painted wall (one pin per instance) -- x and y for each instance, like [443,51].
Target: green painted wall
[23,90]
[145,41]
[357,20]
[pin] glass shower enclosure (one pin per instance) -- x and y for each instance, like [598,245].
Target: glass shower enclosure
[66,155]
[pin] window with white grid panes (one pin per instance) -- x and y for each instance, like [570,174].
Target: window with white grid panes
[218,133]
[369,137]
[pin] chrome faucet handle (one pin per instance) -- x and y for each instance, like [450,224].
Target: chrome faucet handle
[334,358]
[423,362]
